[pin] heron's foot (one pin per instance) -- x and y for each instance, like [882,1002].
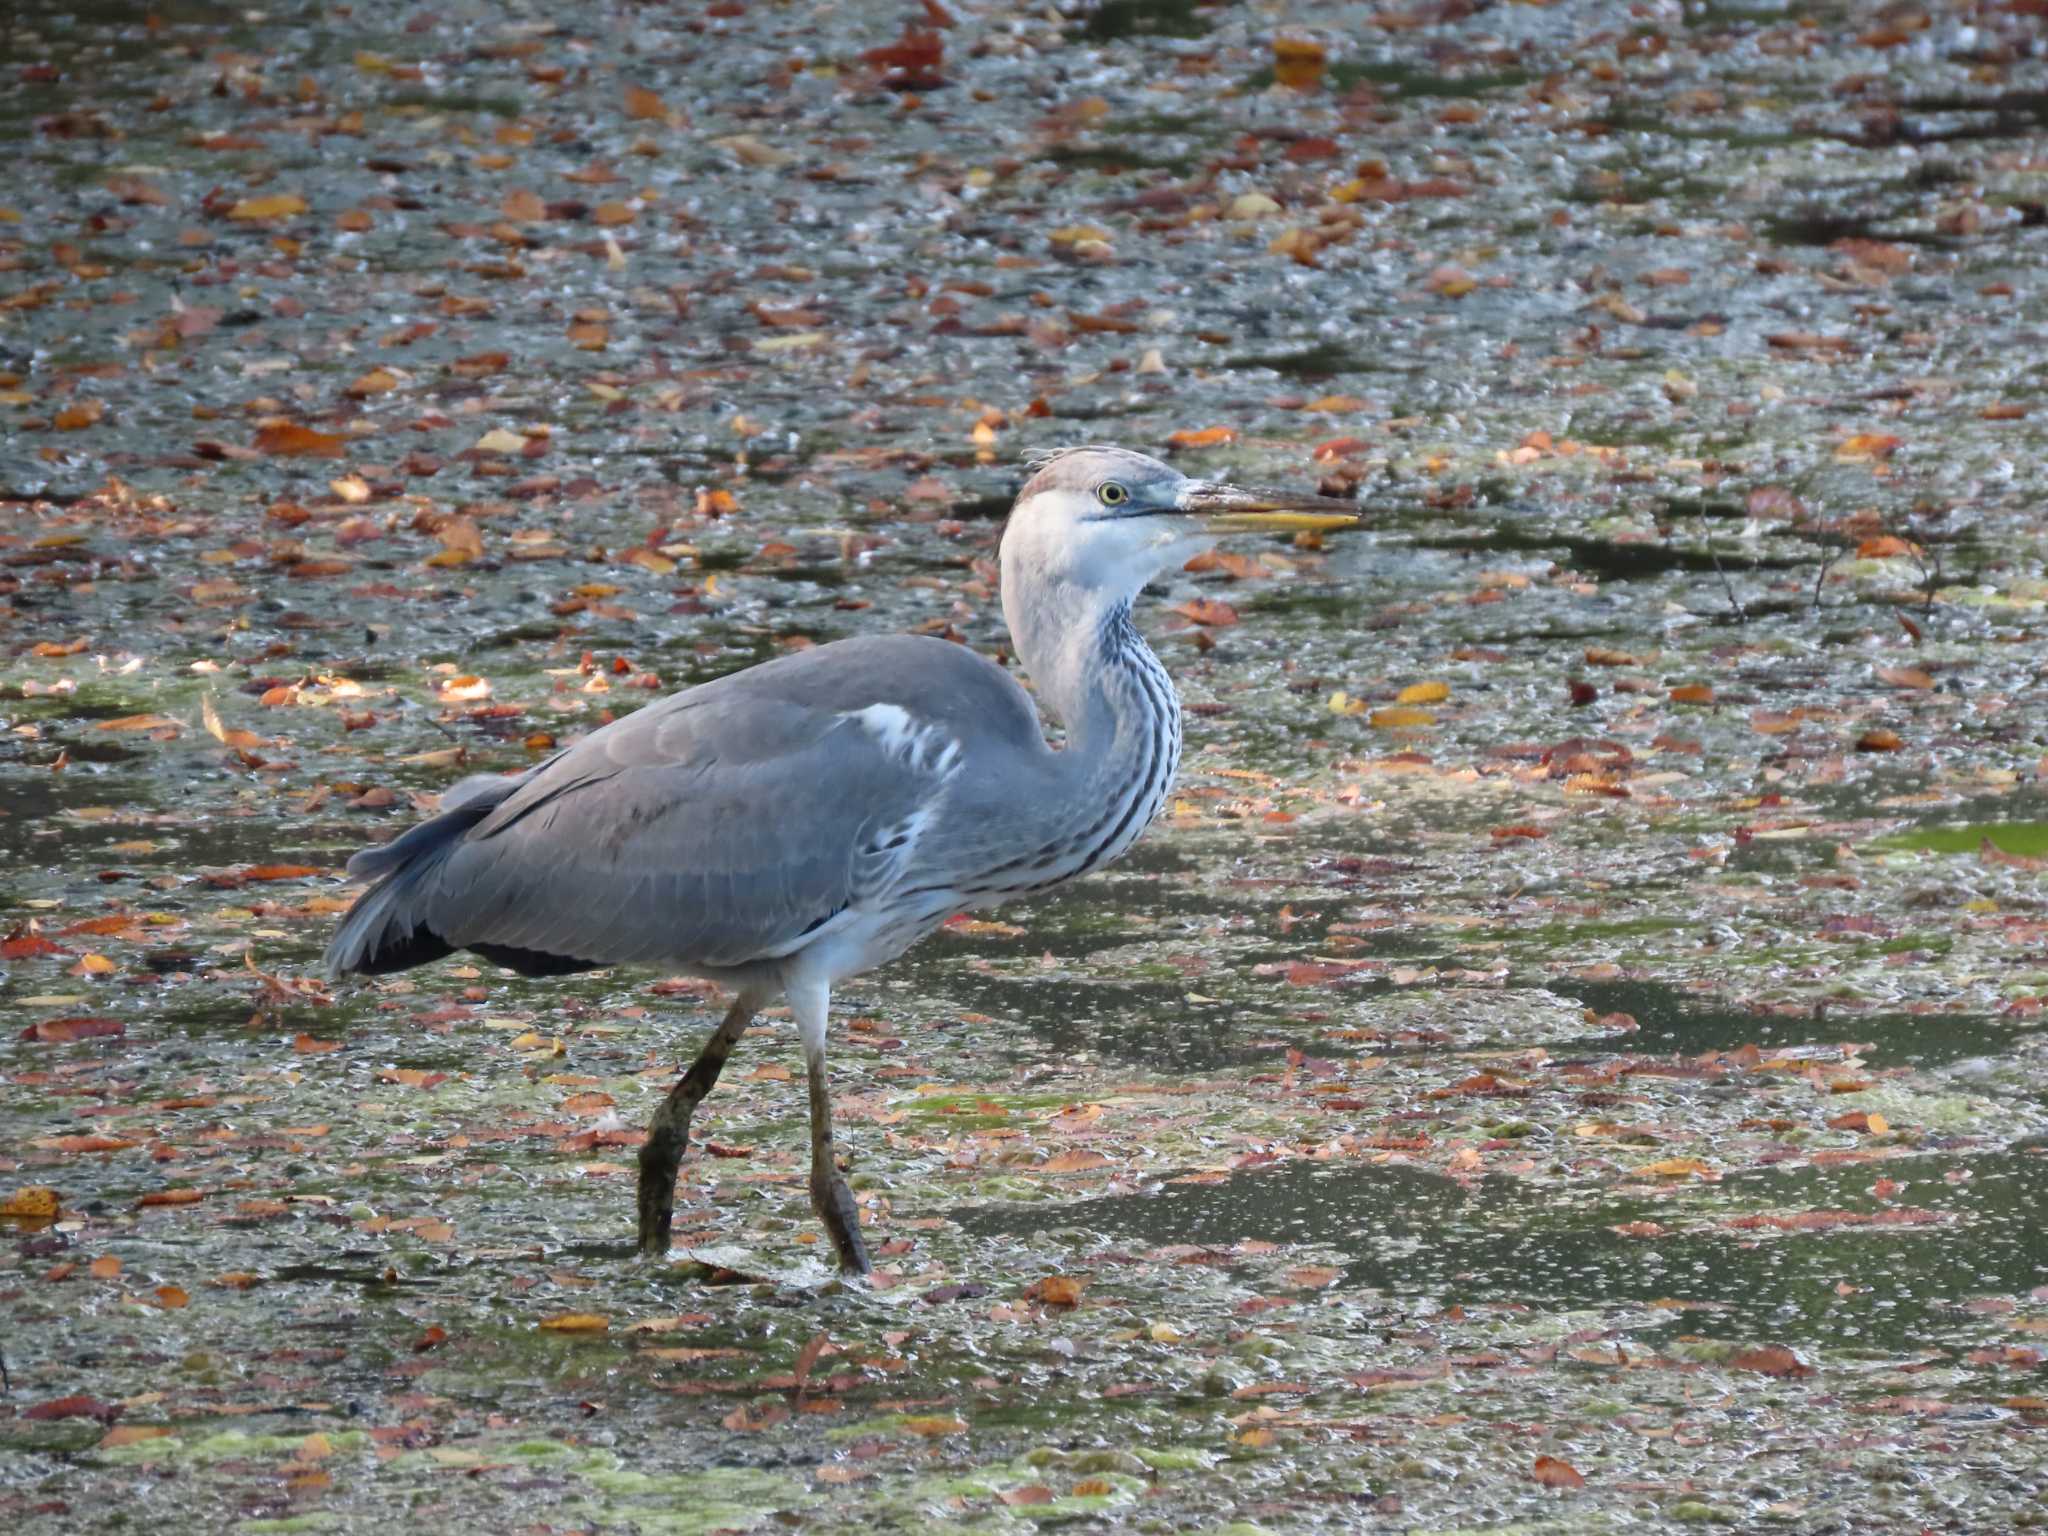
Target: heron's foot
[833,1202]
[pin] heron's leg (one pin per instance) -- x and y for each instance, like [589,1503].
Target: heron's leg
[830,1197]
[668,1133]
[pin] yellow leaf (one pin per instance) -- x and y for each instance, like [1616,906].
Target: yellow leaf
[34,1202]
[1401,718]
[1424,693]
[576,1322]
[278,205]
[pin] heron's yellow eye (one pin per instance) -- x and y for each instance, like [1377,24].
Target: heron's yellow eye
[1111,494]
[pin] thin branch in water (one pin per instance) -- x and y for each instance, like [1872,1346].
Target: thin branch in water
[1727,586]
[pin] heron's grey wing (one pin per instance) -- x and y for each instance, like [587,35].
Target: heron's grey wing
[716,828]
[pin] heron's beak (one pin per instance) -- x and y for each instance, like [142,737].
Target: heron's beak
[1232,509]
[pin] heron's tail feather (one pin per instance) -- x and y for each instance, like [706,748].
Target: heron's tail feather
[384,932]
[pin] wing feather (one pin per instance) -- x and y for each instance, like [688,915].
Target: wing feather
[717,834]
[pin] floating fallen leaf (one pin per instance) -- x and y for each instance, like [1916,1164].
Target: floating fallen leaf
[1770,1360]
[276,205]
[1554,1473]
[64,1031]
[289,440]
[500,440]
[1677,1168]
[1424,693]
[1298,62]
[1208,613]
[79,415]
[575,1322]
[1867,447]
[1202,437]
[1073,1162]
[643,105]
[32,1203]
[1402,718]
[933,1426]
[1058,1290]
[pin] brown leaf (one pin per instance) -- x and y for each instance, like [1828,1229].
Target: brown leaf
[64,1031]
[1770,1360]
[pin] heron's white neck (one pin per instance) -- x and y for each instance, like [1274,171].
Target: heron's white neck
[1097,676]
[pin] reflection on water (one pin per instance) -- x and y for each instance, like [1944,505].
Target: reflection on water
[1411,1233]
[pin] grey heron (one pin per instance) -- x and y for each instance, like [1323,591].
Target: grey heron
[801,821]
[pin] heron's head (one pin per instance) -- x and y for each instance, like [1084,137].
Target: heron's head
[1109,520]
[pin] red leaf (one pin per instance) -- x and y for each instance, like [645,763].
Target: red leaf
[78,1406]
[27,946]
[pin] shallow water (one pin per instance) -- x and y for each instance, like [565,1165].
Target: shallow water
[1634,1061]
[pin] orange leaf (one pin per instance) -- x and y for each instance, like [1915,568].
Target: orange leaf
[935,1425]
[1678,1168]
[1298,62]
[1074,1162]
[1207,612]
[1692,693]
[280,872]
[1058,1290]
[172,1297]
[1553,1473]
[289,440]
[173,1197]
[1202,437]
[1867,447]
[643,105]
[79,415]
